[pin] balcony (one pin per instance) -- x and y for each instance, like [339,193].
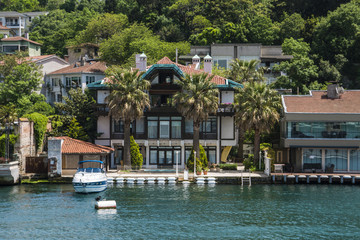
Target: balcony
[101,109]
[226,109]
[56,88]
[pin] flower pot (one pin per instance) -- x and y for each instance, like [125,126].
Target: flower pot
[198,173]
[205,172]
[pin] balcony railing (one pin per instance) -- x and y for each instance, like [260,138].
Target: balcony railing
[226,108]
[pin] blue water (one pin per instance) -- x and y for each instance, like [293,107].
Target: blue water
[180,212]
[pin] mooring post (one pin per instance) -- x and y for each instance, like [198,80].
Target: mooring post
[319,179]
[307,179]
[341,179]
[297,178]
[273,178]
[330,179]
[353,179]
[284,178]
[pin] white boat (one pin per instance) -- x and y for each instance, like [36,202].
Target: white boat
[90,180]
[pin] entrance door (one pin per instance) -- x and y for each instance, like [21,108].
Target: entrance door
[165,158]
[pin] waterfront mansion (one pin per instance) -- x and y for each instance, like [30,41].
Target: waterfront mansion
[321,132]
[163,134]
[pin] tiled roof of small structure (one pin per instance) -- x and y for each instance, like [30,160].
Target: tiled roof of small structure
[14,39]
[75,146]
[318,102]
[89,67]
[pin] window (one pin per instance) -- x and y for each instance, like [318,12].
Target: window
[55,82]
[152,128]
[10,49]
[73,81]
[118,126]
[59,98]
[24,48]
[337,157]
[175,127]
[77,50]
[221,63]
[164,127]
[140,125]
[119,156]
[90,79]
[189,126]
[153,156]
[209,126]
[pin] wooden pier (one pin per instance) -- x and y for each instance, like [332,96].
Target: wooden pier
[316,178]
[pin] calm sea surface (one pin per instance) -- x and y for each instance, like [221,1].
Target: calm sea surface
[182,212]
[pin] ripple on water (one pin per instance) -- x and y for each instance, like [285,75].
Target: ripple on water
[182,212]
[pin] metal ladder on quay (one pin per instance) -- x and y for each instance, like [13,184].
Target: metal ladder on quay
[245,179]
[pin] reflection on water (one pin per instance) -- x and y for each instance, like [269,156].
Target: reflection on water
[182,211]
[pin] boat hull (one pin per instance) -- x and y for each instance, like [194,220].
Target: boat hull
[90,187]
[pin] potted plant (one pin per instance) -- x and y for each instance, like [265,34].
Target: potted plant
[213,167]
[205,170]
[252,169]
[198,170]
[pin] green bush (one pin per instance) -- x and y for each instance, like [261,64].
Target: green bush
[202,162]
[40,123]
[135,155]
[248,162]
[228,166]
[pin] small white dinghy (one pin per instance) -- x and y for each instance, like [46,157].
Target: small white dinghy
[90,180]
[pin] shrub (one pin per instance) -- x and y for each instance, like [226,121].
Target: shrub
[202,162]
[40,123]
[135,155]
[228,166]
[248,162]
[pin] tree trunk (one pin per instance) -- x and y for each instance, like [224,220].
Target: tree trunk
[257,147]
[127,160]
[241,139]
[196,138]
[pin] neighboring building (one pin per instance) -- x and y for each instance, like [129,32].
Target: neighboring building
[9,45]
[76,75]
[321,129]
[223,54]
[69,152]
[5,31]
[18,22]
[163,134]
[89,51]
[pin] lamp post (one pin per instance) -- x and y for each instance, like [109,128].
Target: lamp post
[177,163]
[194,163]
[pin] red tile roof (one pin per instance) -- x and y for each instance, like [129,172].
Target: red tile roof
[14,39]
[191,70]
[92,67]
[317,102]
[74,146]
[4,28]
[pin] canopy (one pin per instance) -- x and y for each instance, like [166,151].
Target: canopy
[91,161]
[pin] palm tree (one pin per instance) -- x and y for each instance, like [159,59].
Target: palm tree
[243,71]
[127,101]
[197,99]
[260,107]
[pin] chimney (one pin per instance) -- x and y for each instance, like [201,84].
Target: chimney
[27,35]
[141,62]
[208,64]
[334,91]
[82,62]
[196,61]
[66,58]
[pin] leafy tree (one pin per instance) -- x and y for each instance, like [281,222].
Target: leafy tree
[20,5]
[135,155]
[300,71]
[120,48]
[127,101]
[102,28]
[197,99]
[81,106]
[20,78]
[260,106]
[338,33]
[292,26]
[58,27]
[75,130]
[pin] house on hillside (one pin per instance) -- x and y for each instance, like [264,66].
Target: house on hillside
[321,131]
[88,51]
[18,22]
[163,134]
[10,45]
[224,53]
[69,152]
[79,74]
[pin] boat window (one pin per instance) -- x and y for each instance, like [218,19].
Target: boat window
[88,169]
